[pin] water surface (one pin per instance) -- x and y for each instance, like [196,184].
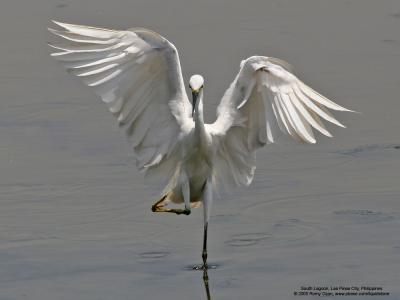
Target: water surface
[75,219]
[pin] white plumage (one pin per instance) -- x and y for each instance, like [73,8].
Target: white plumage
[137,73]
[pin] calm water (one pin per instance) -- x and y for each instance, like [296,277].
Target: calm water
[75,219]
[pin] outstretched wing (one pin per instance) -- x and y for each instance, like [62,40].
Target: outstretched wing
[265,98]
[137,74]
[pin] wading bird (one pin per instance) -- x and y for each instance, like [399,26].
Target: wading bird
[137,73]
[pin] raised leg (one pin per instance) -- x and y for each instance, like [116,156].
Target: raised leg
[160,207]
[186,192]
[177,211]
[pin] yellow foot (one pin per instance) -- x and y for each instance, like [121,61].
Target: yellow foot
[177,211]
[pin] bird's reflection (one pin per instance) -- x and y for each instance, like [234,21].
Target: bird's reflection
[206,286]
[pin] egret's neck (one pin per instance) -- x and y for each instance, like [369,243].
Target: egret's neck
[199,129]
[198,111]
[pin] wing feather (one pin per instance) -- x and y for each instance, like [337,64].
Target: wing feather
[306,114]
[93,32]
[73,37]
[264,97]
[137,74]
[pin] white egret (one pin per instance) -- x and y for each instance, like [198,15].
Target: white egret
[137,73]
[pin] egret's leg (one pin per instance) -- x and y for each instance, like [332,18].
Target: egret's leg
[177,211]
[186,192]
[159,207]
[204,253]
[207,201]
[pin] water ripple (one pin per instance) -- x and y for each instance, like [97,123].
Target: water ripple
[364,215]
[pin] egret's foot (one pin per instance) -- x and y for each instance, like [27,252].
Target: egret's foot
[154,208]
[161,208]
[201,267]
[204,266]
[204,257]
[181,211]
[157,207]
[159,204]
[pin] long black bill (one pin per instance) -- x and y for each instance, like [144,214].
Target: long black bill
[195,94]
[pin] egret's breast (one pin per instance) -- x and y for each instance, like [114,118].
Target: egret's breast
[198,170]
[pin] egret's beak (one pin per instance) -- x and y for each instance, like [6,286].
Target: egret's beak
[195,94]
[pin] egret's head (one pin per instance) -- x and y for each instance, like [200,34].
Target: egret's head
[196,84]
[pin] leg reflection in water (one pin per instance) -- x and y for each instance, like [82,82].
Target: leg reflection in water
[206,286]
